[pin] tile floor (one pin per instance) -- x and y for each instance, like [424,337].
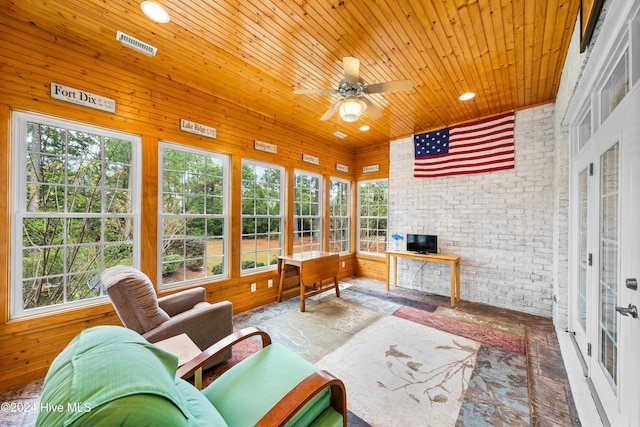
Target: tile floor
[552,402]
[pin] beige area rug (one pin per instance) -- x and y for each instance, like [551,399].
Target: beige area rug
[400,373]
[325,326]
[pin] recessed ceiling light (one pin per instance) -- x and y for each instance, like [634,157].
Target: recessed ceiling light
[340,134]
[364,128]
[467,96]
[155,12]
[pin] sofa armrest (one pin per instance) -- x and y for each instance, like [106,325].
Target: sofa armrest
[189,368]
[302,393]
[182,301]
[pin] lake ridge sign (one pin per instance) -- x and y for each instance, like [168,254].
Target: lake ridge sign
[80,97]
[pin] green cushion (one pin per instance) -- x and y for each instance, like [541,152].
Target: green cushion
[309,412]
[329,418]
[262,380]
[134,410]
[199,407]
[105,365]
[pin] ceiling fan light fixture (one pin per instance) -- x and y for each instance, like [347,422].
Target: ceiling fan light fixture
[155,12]
[351,108]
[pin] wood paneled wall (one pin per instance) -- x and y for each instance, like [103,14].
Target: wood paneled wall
[151,107]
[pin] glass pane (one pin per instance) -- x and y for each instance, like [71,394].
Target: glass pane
[608,281]
[117,150]
[584,131]
[616,87]
[84,230]
[117,175]
[118,201]
[583,249]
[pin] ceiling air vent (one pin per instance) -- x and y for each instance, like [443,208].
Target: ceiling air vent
[136,44]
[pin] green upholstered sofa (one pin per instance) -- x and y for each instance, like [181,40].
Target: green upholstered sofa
[109,375]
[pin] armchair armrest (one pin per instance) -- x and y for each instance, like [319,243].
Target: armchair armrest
[189,368]
[182,301]
[302,393]
[204,325]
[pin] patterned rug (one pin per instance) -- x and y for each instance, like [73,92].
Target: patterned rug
[401,373]
[404,362]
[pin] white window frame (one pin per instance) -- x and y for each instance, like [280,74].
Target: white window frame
[301,211]
[224,216]
[270,216]
[20,213]
[346,218]
[371,217]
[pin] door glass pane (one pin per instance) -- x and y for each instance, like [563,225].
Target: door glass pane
[609,241]
[583,249]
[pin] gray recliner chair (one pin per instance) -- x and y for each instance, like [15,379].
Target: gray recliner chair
[134,299]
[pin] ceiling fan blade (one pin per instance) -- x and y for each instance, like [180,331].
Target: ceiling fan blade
[373,111]
[394,86]
[329,113]
[351,69]
[314,91]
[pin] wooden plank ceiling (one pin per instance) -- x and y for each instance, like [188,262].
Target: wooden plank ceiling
[254,53]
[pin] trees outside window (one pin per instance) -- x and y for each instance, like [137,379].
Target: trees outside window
[193,214]
[262,215]
[76,211]
[372,218]
[307,216]
[339,226]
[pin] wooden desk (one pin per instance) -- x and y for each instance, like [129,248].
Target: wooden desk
[185,350]
[452,260]
[313,267]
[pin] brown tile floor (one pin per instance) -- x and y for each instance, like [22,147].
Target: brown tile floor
[551,399]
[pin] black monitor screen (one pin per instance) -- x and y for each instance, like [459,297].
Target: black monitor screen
[422,243]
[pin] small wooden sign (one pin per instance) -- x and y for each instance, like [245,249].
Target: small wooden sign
[342,168]
[197,128]
[265,146]
[310,159]
[80,97]
[371,168]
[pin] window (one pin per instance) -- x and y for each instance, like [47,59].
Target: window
[307,216]
[339,200]
[76,211]
[262,216]
[372,202]
[616,87]
[193,214]
[584,131]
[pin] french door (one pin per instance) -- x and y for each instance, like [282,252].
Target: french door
[606,261]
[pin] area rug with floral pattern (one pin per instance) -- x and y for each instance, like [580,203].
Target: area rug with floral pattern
[403,362]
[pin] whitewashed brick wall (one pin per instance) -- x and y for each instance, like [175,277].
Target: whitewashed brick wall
[501,223]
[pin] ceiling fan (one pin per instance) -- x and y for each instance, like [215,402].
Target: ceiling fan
[352,90]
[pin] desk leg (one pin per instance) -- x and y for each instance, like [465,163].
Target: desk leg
[302,290]
[458,279]
[388,269]
[395,271]
[281,270]
[452,282]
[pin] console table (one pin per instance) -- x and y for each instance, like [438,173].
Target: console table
[313,267]
[452,260]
